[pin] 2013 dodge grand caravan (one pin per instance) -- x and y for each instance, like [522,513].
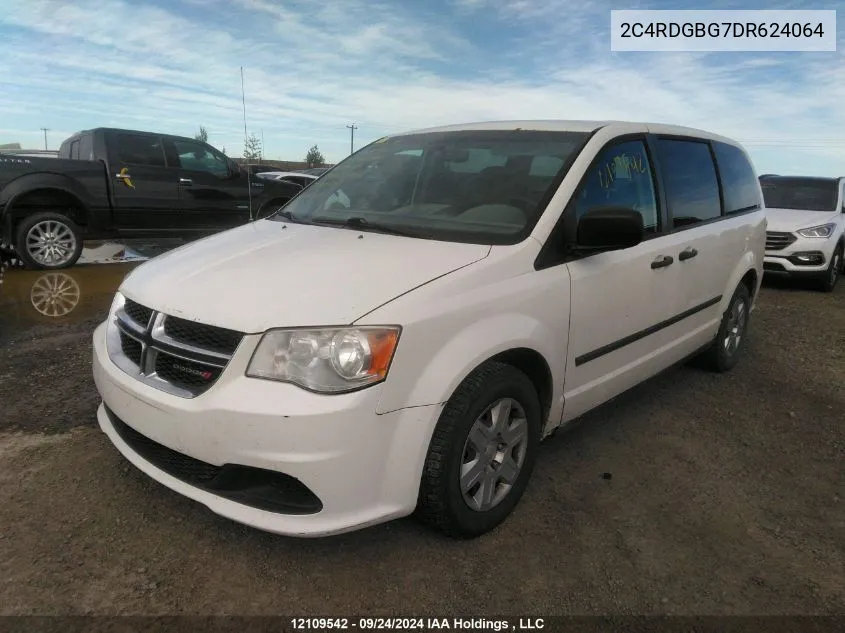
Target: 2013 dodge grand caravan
[401,335]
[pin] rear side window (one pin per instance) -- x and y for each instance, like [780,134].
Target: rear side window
[689,177]
[739,182]
[74,149]
[136,149]
[86,147]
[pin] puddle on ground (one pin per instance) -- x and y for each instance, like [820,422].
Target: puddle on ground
[32,297]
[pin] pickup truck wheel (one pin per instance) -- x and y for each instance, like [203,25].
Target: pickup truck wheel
[727,347]
[48,241]
[481,453]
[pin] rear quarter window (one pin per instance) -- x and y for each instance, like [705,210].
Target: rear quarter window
[740,186]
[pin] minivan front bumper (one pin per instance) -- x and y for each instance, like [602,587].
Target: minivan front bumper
[267,454]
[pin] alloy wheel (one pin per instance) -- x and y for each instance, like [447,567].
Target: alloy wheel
[494,454]
[50,243]
[735,327]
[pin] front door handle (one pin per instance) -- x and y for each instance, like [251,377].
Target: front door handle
[186,182]
[687,253]
[662,262]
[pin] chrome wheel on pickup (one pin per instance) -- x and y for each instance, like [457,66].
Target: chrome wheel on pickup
[48,241]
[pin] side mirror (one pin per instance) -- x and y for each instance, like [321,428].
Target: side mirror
[609,229]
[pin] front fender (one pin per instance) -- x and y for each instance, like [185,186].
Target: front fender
[428,374]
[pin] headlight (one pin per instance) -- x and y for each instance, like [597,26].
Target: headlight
[325,360]
[826,230]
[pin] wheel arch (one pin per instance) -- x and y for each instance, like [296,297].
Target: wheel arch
[530,347]
[45,198]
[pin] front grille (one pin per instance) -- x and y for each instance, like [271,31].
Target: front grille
[216,339]
[131,348]
[176,355]
[258,488]
[777,240]
[194,377]
[138,313]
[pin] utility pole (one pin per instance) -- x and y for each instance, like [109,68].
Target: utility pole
[45,129]
[352,129]
[262,145]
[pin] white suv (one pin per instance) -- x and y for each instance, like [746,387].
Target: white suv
[400,336]
[806,227]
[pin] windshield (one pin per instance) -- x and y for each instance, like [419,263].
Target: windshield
[485,187]
[805,194]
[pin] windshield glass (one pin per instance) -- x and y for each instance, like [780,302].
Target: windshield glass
[805,194]
[485,187]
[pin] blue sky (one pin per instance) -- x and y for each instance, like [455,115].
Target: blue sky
[312,67]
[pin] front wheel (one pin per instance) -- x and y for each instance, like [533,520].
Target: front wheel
[831,276]
[48,241]
[482,452]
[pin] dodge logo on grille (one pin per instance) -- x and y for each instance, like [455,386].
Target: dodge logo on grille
[194,372]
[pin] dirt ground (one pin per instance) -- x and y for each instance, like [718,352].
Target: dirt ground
[725,496]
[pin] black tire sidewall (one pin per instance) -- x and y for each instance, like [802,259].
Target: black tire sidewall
[505,384]
[826,285]
[27,223]
[727,361]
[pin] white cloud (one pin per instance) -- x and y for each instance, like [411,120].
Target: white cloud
[312,68]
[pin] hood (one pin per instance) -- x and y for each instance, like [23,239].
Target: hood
[794,219]
[273,274]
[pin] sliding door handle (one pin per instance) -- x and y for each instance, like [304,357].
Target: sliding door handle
[186,182]
[662,262]
[687,253]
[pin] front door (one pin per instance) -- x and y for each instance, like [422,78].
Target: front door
[146,193]
[212,198]
[622,302]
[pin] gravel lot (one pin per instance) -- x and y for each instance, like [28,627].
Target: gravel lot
[725,497]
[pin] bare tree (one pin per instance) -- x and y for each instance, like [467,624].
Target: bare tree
[202,135]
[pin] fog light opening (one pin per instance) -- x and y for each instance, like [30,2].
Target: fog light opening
[808,259]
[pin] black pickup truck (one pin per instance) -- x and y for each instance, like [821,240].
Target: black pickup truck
[111,183]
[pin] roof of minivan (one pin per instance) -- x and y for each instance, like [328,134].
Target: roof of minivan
[570,125]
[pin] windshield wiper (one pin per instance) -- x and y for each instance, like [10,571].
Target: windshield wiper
[356,222]
[287,215]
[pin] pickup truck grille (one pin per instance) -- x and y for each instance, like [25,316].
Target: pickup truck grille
[175,355]
[777,241]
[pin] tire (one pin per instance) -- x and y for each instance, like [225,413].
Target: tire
[59,232]
[831,275]
[727,347]
[441,503]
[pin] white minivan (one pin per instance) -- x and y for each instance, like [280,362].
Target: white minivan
[400,336]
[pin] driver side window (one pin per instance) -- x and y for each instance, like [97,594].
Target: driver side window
[196,156]
[622,176]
